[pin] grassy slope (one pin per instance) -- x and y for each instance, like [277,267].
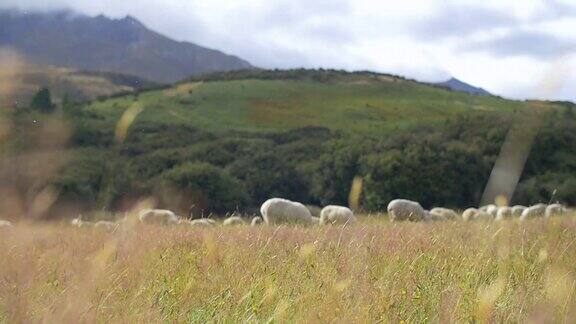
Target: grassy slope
[364,106]
[373,271]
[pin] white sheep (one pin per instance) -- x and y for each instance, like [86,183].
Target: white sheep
[5,223]
[517,211]
[469,214]
[538,210]
[492,210]
[256,221]
[315,220]
[434,217]
[443,213]
[406,210]
[503,213]
[282,211]
[483,216]
[203,222]
[486,207]
[158,217]
[555,210]
[233,220]
[336,215]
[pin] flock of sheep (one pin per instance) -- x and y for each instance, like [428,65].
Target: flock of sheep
[274,211]
[277,211]
[407,210]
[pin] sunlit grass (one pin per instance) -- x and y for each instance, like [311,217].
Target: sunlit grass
[372,271]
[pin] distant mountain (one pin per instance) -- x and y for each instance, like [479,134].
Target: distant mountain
[67,39]
[457,85]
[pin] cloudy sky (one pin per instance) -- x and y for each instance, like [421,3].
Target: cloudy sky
[516,48]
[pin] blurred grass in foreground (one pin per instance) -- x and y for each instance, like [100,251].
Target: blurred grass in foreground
[373,271]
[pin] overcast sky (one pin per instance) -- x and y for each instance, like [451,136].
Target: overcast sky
[516,48]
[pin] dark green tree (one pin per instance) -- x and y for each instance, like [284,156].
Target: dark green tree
[428,172]
[42,101]
[548,187]
[266,175]
[333,172]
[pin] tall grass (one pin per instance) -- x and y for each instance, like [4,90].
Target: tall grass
[374,271]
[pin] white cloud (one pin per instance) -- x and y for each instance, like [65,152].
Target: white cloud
[420,39]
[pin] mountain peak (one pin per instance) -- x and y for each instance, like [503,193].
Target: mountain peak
[458,85]
[100,43]
[133,21]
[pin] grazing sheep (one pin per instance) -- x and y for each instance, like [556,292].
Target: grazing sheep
[315,220]
[5,223]
[492,210]
[538,210]
[483,216]
[158,217]
[503,213]
[282,211]
[444,213]
[256,221]
[78,222]
[435,217]
[555,210]
[233,220]
[517,211]
[336,215]
[406,210]
[469,214]
[486,207]
[203,222]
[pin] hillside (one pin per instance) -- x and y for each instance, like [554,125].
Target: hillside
[75,85]
[229,141]
[80,42]
[260,101]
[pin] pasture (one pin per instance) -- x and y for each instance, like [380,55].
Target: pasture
[372,271]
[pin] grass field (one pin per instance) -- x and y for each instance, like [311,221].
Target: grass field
[374,271]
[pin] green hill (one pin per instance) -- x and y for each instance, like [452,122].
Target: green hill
[363,103]
[228,141]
